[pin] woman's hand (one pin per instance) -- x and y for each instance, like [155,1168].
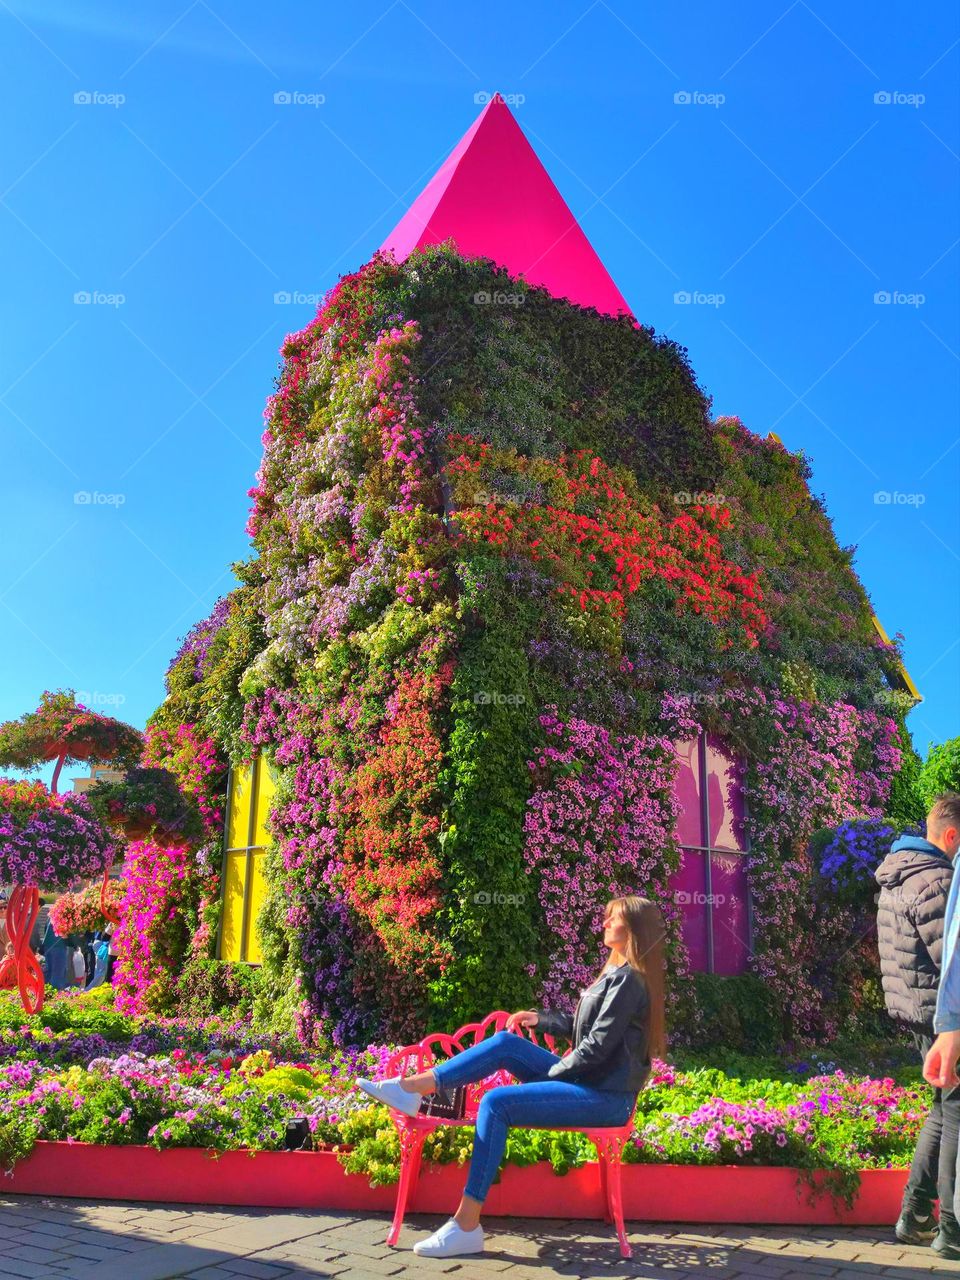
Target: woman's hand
[523,1018]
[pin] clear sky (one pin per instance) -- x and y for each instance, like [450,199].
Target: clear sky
[812,167]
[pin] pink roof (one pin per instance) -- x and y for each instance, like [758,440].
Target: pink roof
[495,199]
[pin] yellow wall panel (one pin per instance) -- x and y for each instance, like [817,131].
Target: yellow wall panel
[243,897]
[238,821]
[234,883]
[266,789]
[257,894]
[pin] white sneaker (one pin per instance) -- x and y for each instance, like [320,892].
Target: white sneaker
[390,1093]
[450,1241]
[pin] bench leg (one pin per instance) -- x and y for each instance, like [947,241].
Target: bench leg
[604,1193]
[411,1149]
[608,1154]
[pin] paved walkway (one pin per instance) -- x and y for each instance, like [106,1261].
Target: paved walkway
[82,1240]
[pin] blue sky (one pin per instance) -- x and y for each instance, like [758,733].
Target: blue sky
[784,185]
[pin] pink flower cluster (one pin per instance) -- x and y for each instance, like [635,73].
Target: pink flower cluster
[599,824]
[197,766]
[155,879]
[394,410]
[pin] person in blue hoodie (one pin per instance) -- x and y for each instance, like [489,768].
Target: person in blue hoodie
[915,879]
[56,955]
[940,1066]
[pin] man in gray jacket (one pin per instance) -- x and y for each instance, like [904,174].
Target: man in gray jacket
[914,882]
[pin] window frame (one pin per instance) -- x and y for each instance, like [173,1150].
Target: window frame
[709,850]
[249,850]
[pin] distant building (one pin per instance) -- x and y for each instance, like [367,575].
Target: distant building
[98,773]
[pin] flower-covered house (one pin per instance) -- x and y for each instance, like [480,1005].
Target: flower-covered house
[522,627]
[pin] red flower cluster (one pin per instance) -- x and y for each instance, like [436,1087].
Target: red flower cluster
[604,556]
[200,1065]
[391,871]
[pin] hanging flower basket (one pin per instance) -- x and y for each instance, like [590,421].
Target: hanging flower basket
[63,729]
[87,911]
[48,840]
[148,804]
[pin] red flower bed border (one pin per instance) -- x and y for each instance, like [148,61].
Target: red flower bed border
[316,1180]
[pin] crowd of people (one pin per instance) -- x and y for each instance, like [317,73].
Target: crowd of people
[80,961]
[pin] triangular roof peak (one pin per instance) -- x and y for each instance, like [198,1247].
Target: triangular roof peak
[495,199]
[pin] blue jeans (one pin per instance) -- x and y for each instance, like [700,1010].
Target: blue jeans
[537,1103]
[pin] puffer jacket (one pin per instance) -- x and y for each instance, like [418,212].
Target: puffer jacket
[609,1031]
[914,881]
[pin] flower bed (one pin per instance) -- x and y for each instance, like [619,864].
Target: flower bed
[87,1074]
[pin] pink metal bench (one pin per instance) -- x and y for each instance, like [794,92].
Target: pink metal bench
[412,1130]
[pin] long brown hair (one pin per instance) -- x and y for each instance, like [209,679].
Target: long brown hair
[644,951]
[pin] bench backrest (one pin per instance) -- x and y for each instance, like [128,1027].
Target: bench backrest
[422,1055]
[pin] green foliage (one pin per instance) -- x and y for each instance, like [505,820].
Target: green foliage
[905,806]
[739,1013]
[87,1012]
[18,1137]
[494,712]
[824,636]
[940,771]
[214,700]
[206,986]
[147,800]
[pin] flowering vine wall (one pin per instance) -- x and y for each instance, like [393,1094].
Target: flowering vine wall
[502,561]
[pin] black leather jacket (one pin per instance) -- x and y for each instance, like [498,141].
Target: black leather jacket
[610,1033]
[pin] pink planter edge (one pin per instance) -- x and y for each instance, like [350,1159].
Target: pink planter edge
[316,1180]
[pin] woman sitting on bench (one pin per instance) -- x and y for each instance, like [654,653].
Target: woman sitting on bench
[618,1025]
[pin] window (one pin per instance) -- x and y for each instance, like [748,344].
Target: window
[711,883]
[249,792]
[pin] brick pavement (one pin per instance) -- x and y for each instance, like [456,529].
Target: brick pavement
[83,1240]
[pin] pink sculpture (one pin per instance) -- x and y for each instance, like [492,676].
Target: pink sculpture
[494,198]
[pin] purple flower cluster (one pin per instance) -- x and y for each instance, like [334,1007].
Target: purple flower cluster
[847,862]
[200,636]
[50,840]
